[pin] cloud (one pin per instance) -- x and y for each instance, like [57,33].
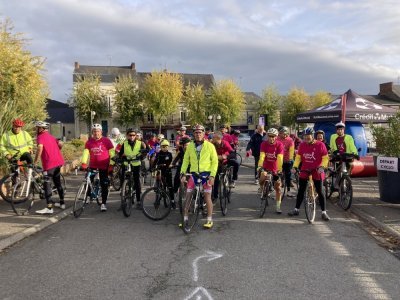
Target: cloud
[319,45]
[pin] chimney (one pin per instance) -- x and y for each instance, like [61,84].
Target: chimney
[76,65]
[133,66]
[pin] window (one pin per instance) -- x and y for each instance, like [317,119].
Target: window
[183,116]
[150,118]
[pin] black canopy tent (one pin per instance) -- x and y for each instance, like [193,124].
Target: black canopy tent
[352,106]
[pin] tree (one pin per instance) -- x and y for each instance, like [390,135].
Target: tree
[23,89]
[195,102]
[227,100]
[127,102]
[297,101]
[87,96]
[320,98]
[162,92]
[270,104]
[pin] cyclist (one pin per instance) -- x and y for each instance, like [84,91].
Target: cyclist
[163,160]
[98,152]
[225,135]
[313,156]
[155,148]
[178,160]
[208,134]
[235,139]
[116,137]
[271,158]
[288,156]
[320,136]
[226,156]
[343,143]
[181,134]
[48,150]
[17,142]
[253,148]
[152,140]
[132,148]
[203,159]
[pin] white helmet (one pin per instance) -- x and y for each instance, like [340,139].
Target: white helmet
[97,126]
[272,131]
[42,124]
[340,124]
[115,131]
[160,136]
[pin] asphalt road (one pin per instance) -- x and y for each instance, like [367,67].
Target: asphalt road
[108,256]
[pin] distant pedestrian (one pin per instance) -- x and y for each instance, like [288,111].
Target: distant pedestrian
[253,147]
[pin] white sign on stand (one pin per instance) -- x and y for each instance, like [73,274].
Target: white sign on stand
[261,121]
[387,164]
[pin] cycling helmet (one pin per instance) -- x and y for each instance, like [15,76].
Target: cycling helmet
[340,125]
[139,135]
[284,129]
[309,131]
[198,127]
[165,142]
[115,131]
[160,136]
[184,140]
[320,131]
[129,130]
[208,129]
[18,123]
[272,131]
[236,131]
[183,128]
[97,126]
[42,124]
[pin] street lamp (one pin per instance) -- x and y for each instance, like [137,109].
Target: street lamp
[214,119]
[92,114]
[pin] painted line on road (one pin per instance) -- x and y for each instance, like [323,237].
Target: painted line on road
[210,255]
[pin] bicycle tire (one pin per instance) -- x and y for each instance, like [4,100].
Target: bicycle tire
[228,185]
[283,187]
[116,178]
[181,197]
[127,197]
[96,183]
[156,204]
[193,207]
[222,197]
[264,198]
[80,200]
[345,192]
[328,186]
[23,197]
[7,187]
[309,205]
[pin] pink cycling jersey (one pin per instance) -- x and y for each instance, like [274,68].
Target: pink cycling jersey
[99,152]
[287,144]
[311,158]
[51,155]
[271,153]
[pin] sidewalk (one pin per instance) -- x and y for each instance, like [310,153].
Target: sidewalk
[366,206]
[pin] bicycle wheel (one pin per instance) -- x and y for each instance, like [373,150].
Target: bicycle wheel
[283,187]
[264,198]
[127,197]
[116,178]
[156,203]
[228,183]
[193,208]
[22,198]
[222,196]
[345,192]
[239,158]
[7,184]
[81,200]
[181,197]
[309,205]
[328,186]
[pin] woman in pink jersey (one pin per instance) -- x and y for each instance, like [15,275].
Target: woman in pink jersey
[288,156]
[313,157]
[48,150]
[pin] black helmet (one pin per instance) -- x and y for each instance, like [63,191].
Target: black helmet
[284,129]
[184,140]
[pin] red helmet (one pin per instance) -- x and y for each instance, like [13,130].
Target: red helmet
[18,123]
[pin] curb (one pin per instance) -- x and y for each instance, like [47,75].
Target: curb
[9,241]
[372,220]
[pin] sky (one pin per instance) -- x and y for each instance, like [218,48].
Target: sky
[311,44]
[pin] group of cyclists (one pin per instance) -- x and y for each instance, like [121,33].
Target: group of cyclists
[274,151]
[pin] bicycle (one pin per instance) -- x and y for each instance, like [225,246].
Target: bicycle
[266,193]
[339,179]
[128,189]
[224,188]
[310,198]
[193,205]
[156,202]
[115,178]
[83,197]
[7,183]
[25,190]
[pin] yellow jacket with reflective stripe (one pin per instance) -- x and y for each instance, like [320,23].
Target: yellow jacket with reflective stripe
[348,140]
[206,162]
[11,143]
[132,152]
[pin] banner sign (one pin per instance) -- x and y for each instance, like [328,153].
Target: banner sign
[387,164]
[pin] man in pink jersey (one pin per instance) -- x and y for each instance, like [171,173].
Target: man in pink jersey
[98,151]
[288,156]
[48,150]
[314,159]
[271,157]
[225,135]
